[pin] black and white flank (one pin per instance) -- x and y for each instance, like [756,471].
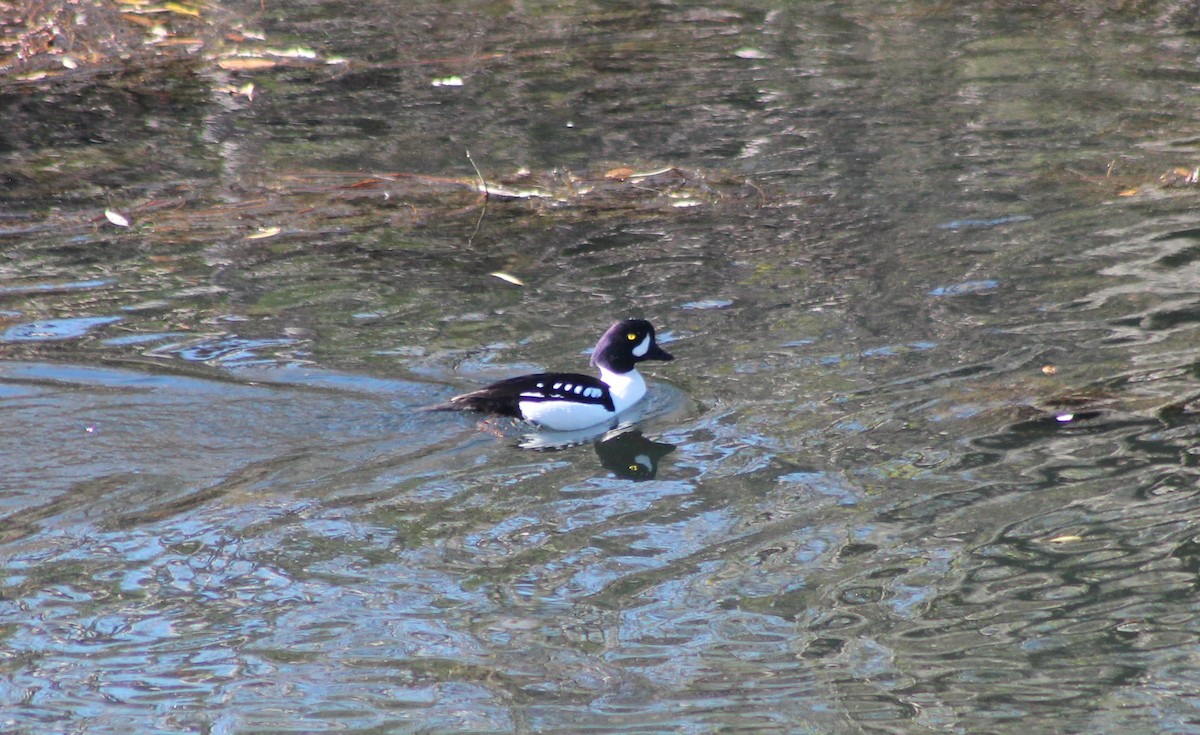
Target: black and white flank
[571,401]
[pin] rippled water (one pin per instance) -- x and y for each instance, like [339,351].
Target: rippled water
[926,460]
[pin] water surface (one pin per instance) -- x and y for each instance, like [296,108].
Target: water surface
[925,462]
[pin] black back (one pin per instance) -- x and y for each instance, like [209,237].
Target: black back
[505,397]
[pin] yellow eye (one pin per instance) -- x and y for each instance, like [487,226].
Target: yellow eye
[631,336]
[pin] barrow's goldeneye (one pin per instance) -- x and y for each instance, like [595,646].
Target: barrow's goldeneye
[571,401]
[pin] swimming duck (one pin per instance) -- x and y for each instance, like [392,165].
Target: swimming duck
[572,401]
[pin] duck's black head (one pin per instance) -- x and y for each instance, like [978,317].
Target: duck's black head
[627,343]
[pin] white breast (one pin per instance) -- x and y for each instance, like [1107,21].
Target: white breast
[626,388]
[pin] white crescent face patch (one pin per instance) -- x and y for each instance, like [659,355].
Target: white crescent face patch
[643,347]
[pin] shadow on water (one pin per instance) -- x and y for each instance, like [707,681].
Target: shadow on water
[926,460]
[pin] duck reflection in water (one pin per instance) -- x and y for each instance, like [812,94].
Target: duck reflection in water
[624,450]
[631,456]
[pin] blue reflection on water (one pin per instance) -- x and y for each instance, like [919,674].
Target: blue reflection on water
[55,329]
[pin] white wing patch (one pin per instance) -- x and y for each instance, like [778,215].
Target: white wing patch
[581,390]
[643,347]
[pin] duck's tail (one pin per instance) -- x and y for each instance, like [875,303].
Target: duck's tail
[483,401]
